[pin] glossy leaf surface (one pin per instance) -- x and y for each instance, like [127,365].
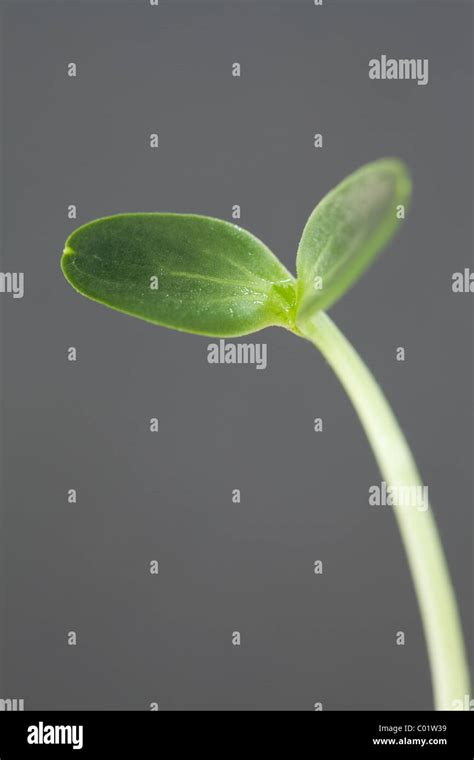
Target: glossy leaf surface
[187,272]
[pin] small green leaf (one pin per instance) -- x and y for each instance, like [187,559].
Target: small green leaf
[187,272]
[346,230]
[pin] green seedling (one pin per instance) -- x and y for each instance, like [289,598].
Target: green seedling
[206,276]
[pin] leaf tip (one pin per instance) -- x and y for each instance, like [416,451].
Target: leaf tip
[347,229]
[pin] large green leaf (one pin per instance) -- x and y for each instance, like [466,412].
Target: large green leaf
[213,277]
[346,230]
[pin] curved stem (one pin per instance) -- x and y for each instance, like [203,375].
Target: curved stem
[420,536]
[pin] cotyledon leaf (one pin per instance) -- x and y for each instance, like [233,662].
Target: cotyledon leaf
[188,272]
[346,230]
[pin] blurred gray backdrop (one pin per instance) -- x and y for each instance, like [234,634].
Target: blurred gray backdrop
[225,567]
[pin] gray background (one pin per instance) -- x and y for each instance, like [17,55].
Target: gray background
[226,567]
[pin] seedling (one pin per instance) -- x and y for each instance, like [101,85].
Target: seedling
[206,276]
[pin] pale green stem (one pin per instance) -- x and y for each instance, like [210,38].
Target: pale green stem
[434,590]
